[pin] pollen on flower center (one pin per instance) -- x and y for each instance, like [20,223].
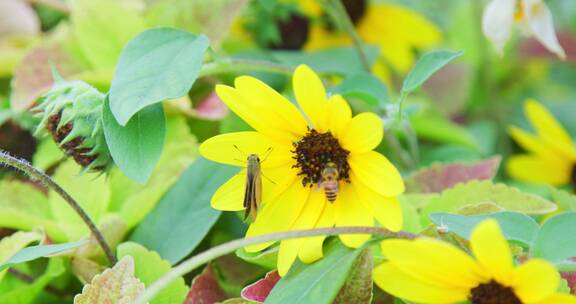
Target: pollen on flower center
[314,151]
[493,293]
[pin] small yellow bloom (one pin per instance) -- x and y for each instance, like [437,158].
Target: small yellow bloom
[430,271]
[396,30]
[533,17]
[393,28]
[552,155]
[301,144]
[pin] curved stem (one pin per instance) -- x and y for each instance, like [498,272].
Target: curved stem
[220,250]
[36,174]
[340,15]
[230,65]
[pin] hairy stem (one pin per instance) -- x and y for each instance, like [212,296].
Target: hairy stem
[231,65]
[36,174]
[220,250]
[341,17]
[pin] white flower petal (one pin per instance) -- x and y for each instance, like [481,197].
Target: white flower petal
[539,21]
[497,22]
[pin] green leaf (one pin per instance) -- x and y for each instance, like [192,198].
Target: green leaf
[358,286]
[90,190]
[340,60]
[10,245]
[442,130]
[556,240]
[319,282]
[482,192]
[114,285]
[266,258]
[149,267]
[158,64]
[132,200]
[429,64]
[28,293]
[136,147]
[34,252]
[439,177]
[566,201]
[25,207]
[184,213]
[515,226]
[102,36]
[365,87]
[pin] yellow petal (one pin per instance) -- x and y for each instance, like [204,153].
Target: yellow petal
[375,171]
[287,255]
[559,298]
[349,213]
[339,116]
[234,148]
[543,148]
[400,284]
[311,248]
[534,169]
[492,251]
[363,133]
[279,215]
[311,96]
[258,117]
[380,25]
[284,115]
[548,128]
[535,280]
[433,262]
[230,196]
[386,210]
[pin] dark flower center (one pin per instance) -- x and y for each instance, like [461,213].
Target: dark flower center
[573,177]
[314,151]
[355,10]
[493,293]
[293,33]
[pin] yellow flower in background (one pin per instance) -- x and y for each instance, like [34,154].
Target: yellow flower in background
[396,30]
[427,270]
[552,155]
[533,17]
[301,146]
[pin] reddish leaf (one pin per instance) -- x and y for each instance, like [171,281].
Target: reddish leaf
[439,177]
[211,107]
[258,291]
[33,75]
[205,289]
[570,277]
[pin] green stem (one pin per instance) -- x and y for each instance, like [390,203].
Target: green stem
[231,65]
[341,17]
[220,250]
[36,174]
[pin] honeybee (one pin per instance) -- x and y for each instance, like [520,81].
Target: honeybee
[329,181]
[253,188]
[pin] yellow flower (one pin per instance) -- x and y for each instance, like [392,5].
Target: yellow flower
[533,17]
[427,270]
[393,28]
[552,155]
[301,145]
